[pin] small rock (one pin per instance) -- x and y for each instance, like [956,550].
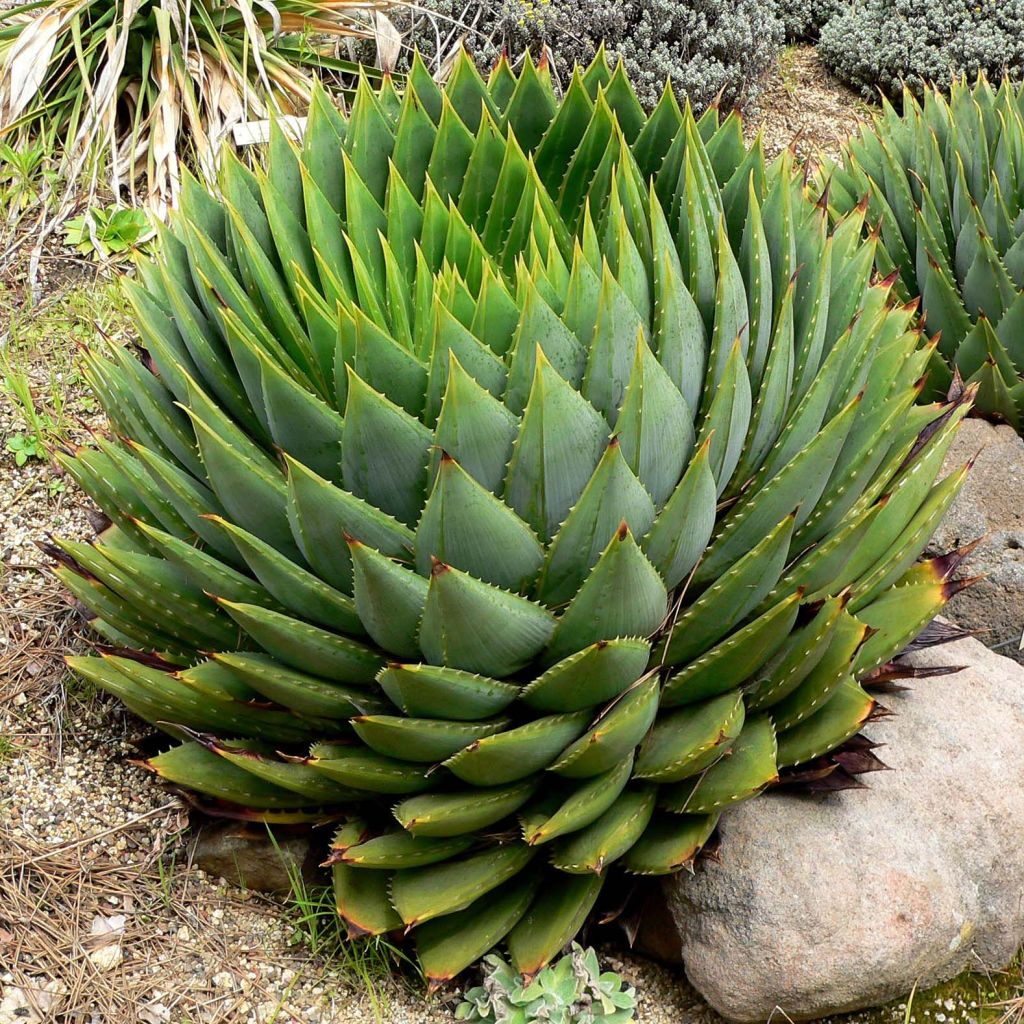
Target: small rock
[990,506]
[31,1004]
[247,857]
[821,905]
[103,944]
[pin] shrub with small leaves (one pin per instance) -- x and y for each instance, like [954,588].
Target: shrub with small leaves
[703,47]
[804,19]
[880,44]
[571,991]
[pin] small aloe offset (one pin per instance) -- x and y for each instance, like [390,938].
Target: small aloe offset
[572,991]
[521,482]
[944,181]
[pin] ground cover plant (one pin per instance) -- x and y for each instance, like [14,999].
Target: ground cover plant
[573,991]
[882,45]
[493,467]
[706,49]
[805,20]
[131,89]
[945,180]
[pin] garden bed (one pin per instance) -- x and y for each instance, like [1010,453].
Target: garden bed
[102,913]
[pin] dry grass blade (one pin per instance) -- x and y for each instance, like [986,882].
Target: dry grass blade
[26,64]
[389,41]
[139,89]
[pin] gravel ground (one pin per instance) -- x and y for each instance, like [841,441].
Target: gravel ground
[804,106]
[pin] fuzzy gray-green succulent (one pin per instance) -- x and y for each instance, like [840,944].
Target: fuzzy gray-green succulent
[497,464]
[572,991]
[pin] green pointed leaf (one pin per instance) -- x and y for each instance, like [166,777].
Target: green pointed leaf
[612,496]
[589,677]
[392,475]
[420,894]
[622,597]
[609,837]
[822,680]
[389,599]
[400,849]
[841,717]
[516,753]
[560,442]
[736,658]
[192,765]
[303,646]
[475,429]
[615,734]
[669,843]
[303,693]
[429,691]
[363,769]
[555,916]
[585,804]
[749,768]
[655,427]
[297,589]
[728,419]
[362,901]
[320,515]
[452,943]
[730,598]
[471,625]
[465,526]
[421,739]
[686,742]
[456,814]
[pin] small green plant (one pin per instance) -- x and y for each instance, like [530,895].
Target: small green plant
[25,174]
[165,868]
[109,231]
[706,49]
[317,928]
[163,82]
[41,428]
[884,45]
[27,446]
[571,991]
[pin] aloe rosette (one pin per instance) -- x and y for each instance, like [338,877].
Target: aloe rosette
[496,465]
[945,182]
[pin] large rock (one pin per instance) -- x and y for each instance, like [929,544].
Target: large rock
[990,506]
[817,905]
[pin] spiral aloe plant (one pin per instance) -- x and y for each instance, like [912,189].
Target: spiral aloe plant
[946,182]
[495,466]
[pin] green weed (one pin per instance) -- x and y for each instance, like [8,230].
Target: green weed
[317,927]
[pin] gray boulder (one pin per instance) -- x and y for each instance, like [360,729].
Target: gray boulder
[824,904]
[990,506]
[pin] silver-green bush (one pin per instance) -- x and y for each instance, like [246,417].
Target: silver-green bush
[804,19]
[702,46]
[879,44]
